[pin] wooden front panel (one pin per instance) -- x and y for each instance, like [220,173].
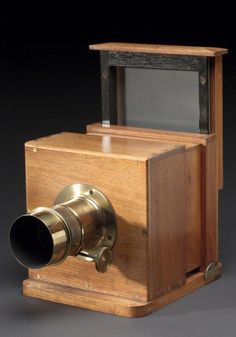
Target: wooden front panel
[124,182]
[166,224]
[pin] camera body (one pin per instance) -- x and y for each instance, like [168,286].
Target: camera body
[162,186]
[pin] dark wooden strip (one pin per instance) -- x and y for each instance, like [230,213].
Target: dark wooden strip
[142,60]
[204,89]
[108,86]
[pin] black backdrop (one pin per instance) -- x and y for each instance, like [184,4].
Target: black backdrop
[50,82]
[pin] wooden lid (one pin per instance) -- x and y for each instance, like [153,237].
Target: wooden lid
[159,49]
[106,146]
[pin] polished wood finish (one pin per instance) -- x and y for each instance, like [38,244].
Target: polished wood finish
[105,302]
[164,135]
[169,232]
[119,167]
[201,188]
[167,206]
[75,158]
[209,206]
[193,237]
[158,49]
[217,113]
[121,148]
[193,167]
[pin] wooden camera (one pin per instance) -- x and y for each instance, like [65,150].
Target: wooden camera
[124,219]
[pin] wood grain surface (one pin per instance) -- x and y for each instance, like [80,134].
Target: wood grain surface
[158,49]
[106,303]
[118,167]
[195,162]
[167,223]
[217,114]
[164,135]
[209,207]
[165,196]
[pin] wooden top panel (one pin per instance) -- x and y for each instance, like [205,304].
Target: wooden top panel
[158,49]
[105,146]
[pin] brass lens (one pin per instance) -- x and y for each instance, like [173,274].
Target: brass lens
[31,242]
[82,224]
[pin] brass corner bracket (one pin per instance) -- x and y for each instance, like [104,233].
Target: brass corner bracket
[213,271]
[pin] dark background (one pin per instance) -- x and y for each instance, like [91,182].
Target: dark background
[50,82]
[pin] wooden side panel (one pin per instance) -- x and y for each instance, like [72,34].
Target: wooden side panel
[193,208]
[209,205]
[124,183]
[166,224]
[217,113]
[192,182]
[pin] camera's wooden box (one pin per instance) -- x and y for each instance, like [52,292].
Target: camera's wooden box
[163,186]
[155,188]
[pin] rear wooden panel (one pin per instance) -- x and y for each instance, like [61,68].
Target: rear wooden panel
[163,135]
[209,205]
[217,114]
[166,224]
[124,183]
[193,208]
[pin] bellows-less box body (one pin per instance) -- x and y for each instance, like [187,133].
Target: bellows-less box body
[162,185]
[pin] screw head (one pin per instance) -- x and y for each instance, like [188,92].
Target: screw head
[202,80]
[103,260]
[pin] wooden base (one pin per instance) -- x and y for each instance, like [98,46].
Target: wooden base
[107,303]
